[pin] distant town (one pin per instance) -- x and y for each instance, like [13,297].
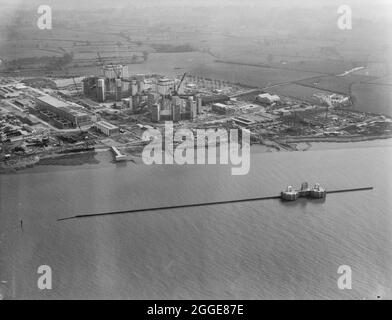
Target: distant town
[47,117]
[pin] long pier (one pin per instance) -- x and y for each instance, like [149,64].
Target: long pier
[202,204]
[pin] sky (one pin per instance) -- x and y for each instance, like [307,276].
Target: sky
[367,9]
[158,3]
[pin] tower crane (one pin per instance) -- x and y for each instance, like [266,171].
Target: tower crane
[76,86]
[101,62]
[175,91]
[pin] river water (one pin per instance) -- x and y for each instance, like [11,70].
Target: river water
[264,249]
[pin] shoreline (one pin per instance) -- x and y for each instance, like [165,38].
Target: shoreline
[350,139]
[103,157]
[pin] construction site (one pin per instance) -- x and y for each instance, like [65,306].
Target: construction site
[47,118]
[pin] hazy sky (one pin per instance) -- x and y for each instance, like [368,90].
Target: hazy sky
[254,3]
[367,9]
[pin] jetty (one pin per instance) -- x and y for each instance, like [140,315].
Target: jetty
[118,156]
[317,192]
[200,204]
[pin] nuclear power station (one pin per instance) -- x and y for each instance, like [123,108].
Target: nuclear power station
[164,97]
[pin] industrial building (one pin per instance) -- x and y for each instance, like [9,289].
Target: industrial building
[134,88]
[118,89]
[222,108]
[165,86]
[101,91]
[8,92]
[114,71]
[114,83]
[268,98]
[107,128]
[175,109]
[140,86]
[176,112]
[89,85]
[338,100]
[193,110]
[61,113]
[146,92]
[242,121]
[152,98]
[155,113]
[149,85]
[199,103]
[127,103]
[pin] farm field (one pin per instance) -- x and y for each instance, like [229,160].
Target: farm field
[249,75]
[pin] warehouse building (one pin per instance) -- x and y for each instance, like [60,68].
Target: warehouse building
[107,128]
[8,92]
[222,108]
[268,98]
[61,113]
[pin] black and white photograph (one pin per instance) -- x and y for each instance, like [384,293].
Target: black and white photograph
[195,150]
